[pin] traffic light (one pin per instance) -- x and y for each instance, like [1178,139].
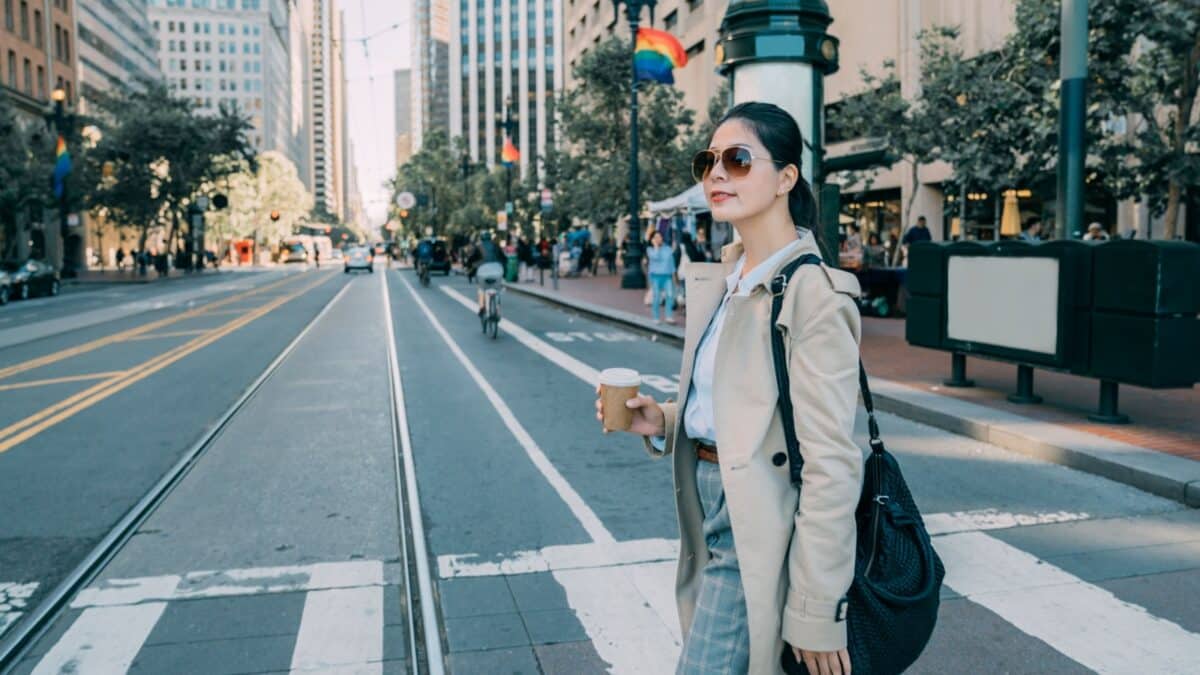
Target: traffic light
[403,213]
[274,216]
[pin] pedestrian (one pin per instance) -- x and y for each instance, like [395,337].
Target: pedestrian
[317,256]
[1031,230]
[120,259]
[702,245]
[893,247]
[1095,232]
[660,263]
[918,232]
[763,566]
[608,251]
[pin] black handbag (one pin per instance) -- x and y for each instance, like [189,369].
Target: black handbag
[892,605]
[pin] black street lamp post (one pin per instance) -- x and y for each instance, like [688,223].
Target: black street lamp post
[634,277]
[63,123]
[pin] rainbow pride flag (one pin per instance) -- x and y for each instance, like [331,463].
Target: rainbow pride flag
[509,154]
[62,166]
[656,54]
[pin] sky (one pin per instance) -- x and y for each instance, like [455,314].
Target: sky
[373,51]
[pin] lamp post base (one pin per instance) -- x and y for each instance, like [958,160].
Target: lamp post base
[634,277]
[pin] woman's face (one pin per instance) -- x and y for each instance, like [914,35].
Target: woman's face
[656,239]
[740,199]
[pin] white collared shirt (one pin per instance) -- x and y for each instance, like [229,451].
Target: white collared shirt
[699,419]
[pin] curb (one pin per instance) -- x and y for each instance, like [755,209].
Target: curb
[1158,473]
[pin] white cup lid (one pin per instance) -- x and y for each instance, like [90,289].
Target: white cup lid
[620,377]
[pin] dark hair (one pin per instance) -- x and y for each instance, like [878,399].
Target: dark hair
[777,130]
[1030,222]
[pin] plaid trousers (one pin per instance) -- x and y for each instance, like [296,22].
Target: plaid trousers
[718,641]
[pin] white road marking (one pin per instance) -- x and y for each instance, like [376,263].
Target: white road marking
[992,519]
[1084,622]
[612,336]
[554,558]
[13,600]
[341,630]
[217,584]
[628,628]
[588,518]
[102,640]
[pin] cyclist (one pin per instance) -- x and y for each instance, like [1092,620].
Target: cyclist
[424,256]
[491,267]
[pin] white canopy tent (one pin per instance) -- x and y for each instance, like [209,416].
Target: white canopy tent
[690,200]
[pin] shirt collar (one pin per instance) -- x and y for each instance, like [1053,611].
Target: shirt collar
[759,274]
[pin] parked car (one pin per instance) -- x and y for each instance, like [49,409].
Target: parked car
[5,287]
[30,278]
[359,258]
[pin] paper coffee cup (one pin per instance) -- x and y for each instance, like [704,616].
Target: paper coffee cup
[617,386]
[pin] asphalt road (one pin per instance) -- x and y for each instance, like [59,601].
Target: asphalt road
[551,544]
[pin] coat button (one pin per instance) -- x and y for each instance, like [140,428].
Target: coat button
[779,459]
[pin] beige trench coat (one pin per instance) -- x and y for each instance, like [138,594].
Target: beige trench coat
[795,548]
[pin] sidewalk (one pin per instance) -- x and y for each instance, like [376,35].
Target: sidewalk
[1158,452]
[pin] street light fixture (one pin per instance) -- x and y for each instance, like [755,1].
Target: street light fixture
[634,277]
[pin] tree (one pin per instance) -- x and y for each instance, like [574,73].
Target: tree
[591,175]
[255,194]
[26,163]
[161,154]
[994,117]
[433,175]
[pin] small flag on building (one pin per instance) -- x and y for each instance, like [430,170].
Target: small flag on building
[62,166]
[510,154]
[656,54]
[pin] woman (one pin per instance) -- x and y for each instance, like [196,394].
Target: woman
[661,268]
[762,564]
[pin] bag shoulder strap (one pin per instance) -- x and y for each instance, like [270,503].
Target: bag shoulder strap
[778,287]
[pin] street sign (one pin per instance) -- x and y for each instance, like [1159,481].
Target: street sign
[508,207]
[502,221]
[202,202]
[73,220]
[406,200]
[547,198]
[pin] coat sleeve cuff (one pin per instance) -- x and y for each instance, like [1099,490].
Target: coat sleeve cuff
[658,446]
[816,631]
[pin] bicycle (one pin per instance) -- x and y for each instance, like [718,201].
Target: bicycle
[490,284]
[423,273]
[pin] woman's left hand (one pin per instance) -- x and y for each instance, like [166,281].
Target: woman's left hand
[824,663]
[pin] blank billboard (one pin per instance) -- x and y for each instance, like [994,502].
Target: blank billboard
[1006,302]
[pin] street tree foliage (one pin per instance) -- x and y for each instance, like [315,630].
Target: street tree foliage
[161,153]
[994,116]
[591,176]
[434,176]
[274,185]
[26,164]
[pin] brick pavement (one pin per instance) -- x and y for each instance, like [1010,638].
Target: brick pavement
[1164,420]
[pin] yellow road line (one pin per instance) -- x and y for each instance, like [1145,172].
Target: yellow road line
[126,334]
[60,380]
[177,333]
[25,429]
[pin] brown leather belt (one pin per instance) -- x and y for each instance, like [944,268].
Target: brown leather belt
[707,453]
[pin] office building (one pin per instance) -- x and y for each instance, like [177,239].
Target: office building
[430,87]
[117,46]
[403,94]
[505,50]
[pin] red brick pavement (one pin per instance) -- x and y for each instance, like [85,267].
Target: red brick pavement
[1166,420]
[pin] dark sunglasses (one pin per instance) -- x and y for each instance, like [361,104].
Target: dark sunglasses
[737,160]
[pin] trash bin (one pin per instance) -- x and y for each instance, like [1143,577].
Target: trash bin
[512,269]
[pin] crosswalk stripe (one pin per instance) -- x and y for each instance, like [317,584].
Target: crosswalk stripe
[1084,622]
[224,583]
[341,630]
[102,640]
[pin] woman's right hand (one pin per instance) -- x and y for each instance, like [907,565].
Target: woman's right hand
[648,417]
